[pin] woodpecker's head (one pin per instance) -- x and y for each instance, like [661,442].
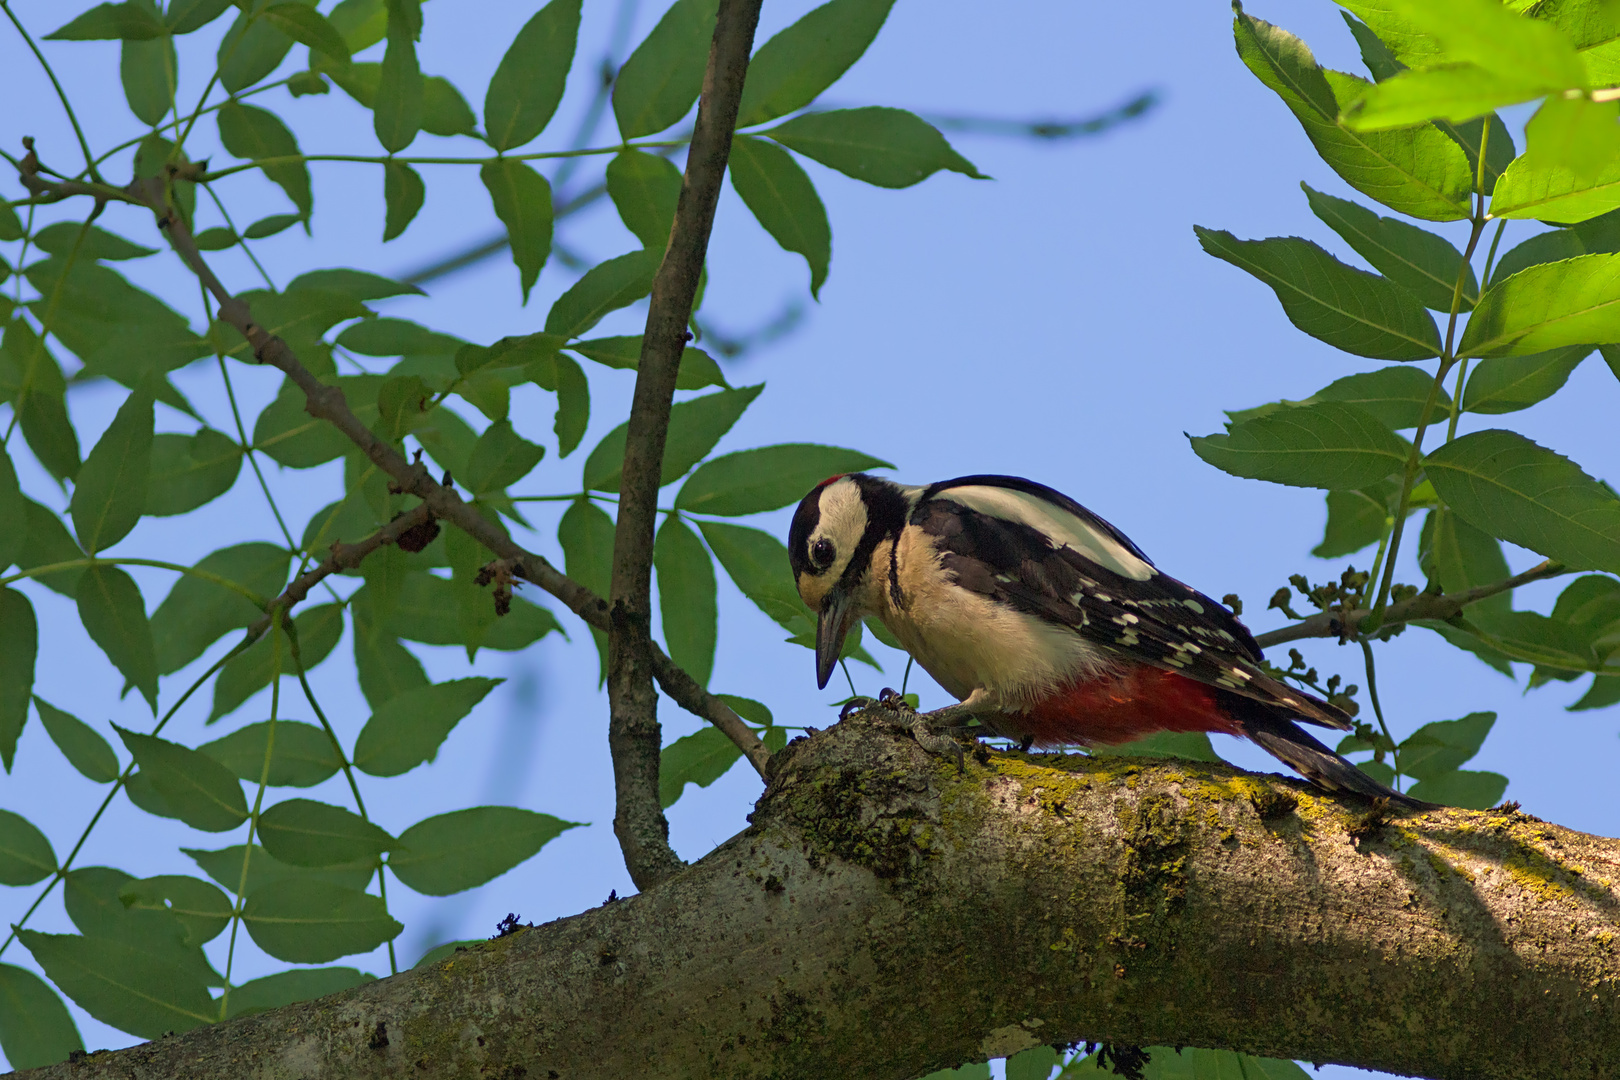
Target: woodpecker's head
[831,543]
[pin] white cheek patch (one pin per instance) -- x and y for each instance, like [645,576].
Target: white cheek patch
[842,523]
[1055,522]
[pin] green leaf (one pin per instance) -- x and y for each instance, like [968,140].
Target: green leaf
[885,147]
[1036,1063]
[59,239]
[113,614]
[396,114]
[387,669]
[1417,170]
[1549,306]
[13,511]
[288,987]
[47,543]
[25,855]
[303,832]
[645,188]
[1554,245]
[661,79]
[395,337]
[700,758]
[1464,787]
[19,648]
[607,286]
[790,70]
[1395,395]
[698,368]
[1510,383]
[186,16]
[319,629]
[586,536]
[36,1029]
[251,49]
[198,612]
[120,984]
[402,404]
[111,488]
[1445,745]
[307,26]
[686,598]
[1194,745]
[1326,445]
[312,922]
[694,428]
[403,196]
[84,749]
[1349,309]
[1355,520]
[287,434]
[1602,694]
[112,22]
[767,478]
[527,86]
[758,563]
[409,729]
[522,199]
[201,908]
[1426,264]
[1555,192]
[303,756]
[1511,488]
[1457,557]
[444,952]
[225,867]
[450,853]
[199,790]
[188,471]
[779,194]
[271,225]
[256,134]
[30,375]
[499,459]
[1455,92]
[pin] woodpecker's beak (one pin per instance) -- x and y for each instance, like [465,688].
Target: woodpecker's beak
[836,616]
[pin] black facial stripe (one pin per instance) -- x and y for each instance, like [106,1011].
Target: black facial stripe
[805,520]
[885,517]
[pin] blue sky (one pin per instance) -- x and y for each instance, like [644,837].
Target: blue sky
[1058,321]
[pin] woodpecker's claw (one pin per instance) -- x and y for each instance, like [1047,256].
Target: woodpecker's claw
[933,740]
[855,705]
[890,699]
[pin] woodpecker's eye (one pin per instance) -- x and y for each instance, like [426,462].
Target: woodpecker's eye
[822,553]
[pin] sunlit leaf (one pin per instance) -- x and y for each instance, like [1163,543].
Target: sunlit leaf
[767,477]
[1427,264]
[1463,787]
[1395,395]
[1349,309]
[1457,557]
[1506,485]
[1553,192]
[1509,383]
[1326,445]
[1548,306]
[1355,520]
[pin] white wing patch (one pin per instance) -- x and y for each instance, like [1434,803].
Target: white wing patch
[1064,528]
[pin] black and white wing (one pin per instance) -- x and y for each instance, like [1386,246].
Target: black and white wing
[1036,550]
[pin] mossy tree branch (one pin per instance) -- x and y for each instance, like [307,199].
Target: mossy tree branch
[885,916]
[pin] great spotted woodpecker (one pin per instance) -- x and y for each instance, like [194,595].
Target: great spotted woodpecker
[1045,622]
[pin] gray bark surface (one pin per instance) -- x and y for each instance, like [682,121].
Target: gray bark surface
[884,916]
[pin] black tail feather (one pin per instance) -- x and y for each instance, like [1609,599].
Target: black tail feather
[1282,738]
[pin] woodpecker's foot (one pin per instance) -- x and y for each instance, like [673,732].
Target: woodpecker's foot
[934,740]
[889,698]
[855,705]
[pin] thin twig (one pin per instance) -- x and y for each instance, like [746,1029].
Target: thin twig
[327,403]
[1427,606]
[633,730]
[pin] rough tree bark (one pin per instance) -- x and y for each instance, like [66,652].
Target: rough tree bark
[885,916]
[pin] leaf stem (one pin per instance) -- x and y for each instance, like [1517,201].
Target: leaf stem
[1378,710]
[67,106]
[383,159]
[241,241]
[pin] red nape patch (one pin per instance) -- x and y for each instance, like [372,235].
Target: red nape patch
[829,480]
[1119,708]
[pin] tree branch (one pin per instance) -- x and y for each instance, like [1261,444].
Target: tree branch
[885,915]
[633,730]
[1347,624]
[327,403]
